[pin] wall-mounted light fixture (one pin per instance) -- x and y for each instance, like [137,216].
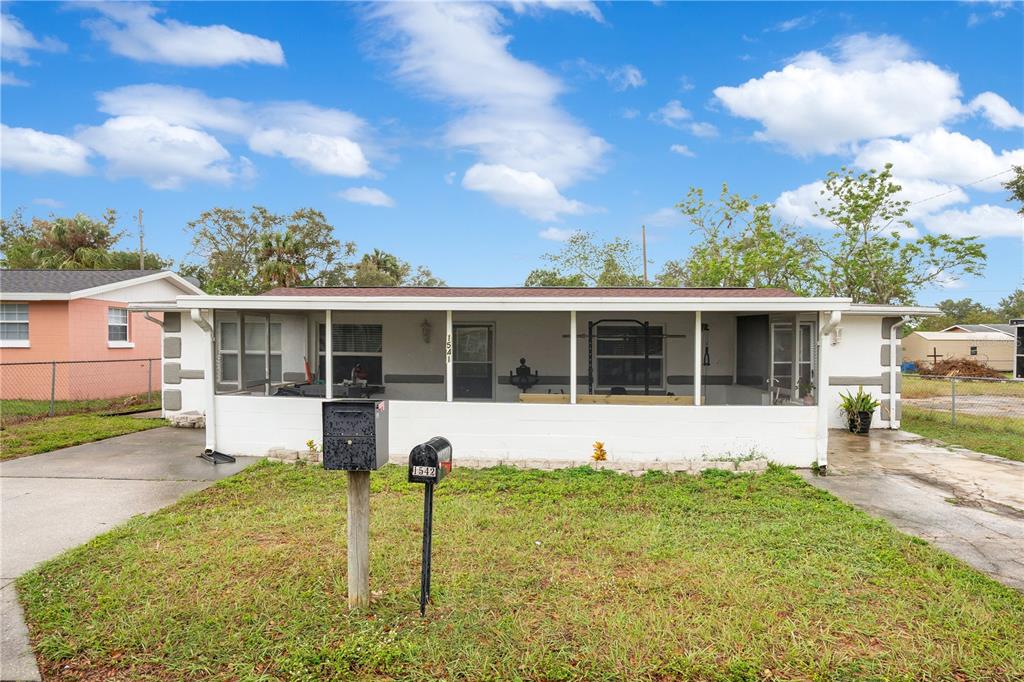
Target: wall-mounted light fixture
[427,328]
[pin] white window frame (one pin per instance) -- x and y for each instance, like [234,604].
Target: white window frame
[15,309]
[800,359]
[120,343]
[235,353]
[660,385]
[321,351]
[492,351]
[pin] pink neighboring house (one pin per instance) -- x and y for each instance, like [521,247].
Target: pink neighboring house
[78,318]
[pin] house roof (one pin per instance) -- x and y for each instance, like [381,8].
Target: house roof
[27,285]
[1007,329]
[531,292]
[965,336]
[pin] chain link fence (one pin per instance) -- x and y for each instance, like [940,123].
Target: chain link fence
[978,413]
[33,390]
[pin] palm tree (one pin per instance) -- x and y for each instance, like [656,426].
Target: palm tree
[281,260]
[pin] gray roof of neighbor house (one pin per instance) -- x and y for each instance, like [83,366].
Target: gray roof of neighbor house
[1002,328]
[67,281]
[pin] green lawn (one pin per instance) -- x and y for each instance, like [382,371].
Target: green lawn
[43,435]
[1003,436]
[577,574]
[18,410]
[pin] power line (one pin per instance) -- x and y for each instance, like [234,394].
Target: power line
[967,184]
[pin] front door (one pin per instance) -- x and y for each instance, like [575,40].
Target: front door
[782,380]
[473,362]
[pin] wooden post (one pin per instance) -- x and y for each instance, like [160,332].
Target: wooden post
[697,358]
[358,539]
[572,356]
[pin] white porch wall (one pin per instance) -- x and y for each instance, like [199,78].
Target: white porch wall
[194,347]
[252,425]
[857,355]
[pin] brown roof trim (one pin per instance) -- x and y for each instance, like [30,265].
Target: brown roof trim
[533,292]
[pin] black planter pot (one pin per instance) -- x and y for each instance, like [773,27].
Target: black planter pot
[860,422]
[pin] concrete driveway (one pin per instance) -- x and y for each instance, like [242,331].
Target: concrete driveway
[58,500]
[966,503]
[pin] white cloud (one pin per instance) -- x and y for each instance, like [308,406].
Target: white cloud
[796,23]
[942,156]
[664,217]
[984,220]
[800,206]
[529,192]
[326,141]
[371,196]
[47,201]
[318,153]
[8,78]
[165,156]
[458,53]
[997,110]
[449,177]
[32,151]
[133,30]
[672,114]
[701,129]
[556,234]
[870,87]
[16,41]
[682,150]
[626,77]
[630,114]
[588,9]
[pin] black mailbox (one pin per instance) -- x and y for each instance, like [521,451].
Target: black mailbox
[355,434]
[431,461]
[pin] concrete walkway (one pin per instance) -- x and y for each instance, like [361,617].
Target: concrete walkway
[966,503]
[61,499]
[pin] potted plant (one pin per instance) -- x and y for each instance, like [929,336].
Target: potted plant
[806,392]
[858,409]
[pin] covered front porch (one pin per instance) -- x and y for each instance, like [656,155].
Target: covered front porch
[653,383]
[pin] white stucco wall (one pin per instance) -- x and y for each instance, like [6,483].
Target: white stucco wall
[855,358]
[252,425]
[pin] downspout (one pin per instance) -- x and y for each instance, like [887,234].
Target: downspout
[208,372]
[894,423]
[153,319]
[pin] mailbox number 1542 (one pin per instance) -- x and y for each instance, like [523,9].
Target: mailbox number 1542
[428,472]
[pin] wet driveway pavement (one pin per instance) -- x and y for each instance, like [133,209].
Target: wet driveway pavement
[968,504]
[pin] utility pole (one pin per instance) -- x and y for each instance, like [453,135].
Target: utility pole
[142,252]
[643,240]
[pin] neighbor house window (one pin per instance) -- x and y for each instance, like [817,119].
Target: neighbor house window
[117,325]
[620,355]
[353,344]
[974,350]
[14,324]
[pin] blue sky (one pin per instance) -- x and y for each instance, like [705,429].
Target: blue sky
[470,138]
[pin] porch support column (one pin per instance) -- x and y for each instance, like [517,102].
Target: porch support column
[328,357]
[572,357]
[823,394]
[448,340]
[266,359]
[794,381]
[697,360]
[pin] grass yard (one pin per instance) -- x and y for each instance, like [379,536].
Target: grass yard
[917,387]
[42,435]
[1003,436]
[19,410]
[577,574]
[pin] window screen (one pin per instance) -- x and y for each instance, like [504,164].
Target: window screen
[117,324]
[14,321]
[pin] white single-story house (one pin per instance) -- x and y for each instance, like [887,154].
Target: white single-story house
[535,373]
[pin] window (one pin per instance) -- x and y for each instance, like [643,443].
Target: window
[352,344]
[14,324]
[254,364]
[117,325]
[620,355]
[974,350]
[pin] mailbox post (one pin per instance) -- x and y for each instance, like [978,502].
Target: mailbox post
[429,463]
[356,441]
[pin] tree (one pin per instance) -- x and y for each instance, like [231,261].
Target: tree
[584,261]
[962,311]
[867,258]
[741,246]
[1012,307]
[1016,187]
[69,243]
[380,268]
[248,253]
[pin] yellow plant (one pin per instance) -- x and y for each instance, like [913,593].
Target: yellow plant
[600,454]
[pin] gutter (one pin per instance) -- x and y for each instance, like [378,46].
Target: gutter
[894,423]
[210,383]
